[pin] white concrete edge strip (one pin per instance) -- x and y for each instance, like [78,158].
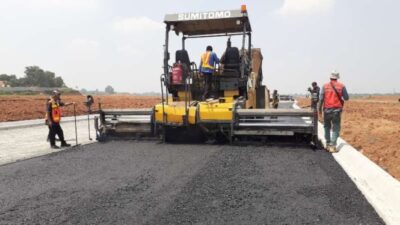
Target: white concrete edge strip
[380,189]
[73,146]
[39,122]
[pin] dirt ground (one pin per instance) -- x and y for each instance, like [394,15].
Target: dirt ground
[372,125]
[14,107]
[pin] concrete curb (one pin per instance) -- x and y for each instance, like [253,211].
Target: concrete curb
[380,189]
[34,136]
[38,122]
[72,147]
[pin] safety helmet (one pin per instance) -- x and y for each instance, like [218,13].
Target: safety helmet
[335,75]
[56,93]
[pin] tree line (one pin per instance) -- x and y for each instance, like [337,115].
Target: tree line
[34,77]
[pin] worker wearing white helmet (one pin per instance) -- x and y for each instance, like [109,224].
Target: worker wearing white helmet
[53,118]
[335,75]
[332,97]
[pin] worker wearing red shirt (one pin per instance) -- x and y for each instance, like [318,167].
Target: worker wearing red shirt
[332,97]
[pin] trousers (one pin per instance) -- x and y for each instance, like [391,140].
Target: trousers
[332,121]
[55,129]
[207,84]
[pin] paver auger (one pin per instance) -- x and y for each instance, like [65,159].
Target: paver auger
[238,108]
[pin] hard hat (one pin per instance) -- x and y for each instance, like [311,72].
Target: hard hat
[56,92]
[335,75]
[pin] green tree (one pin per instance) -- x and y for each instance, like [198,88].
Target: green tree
[5,77]
[59,82]
[11,79]
[37,77]
[109,90]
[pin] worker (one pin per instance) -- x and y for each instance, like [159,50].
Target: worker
[53,119]
[314,91]
[275,99]
[46,118]
[207,67]
[332,97]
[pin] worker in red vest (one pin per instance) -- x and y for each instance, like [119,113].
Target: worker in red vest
[53,118]
[207,67]
[332,97]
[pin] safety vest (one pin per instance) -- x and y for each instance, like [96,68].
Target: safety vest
[55,111]
[331,100]
[205,59]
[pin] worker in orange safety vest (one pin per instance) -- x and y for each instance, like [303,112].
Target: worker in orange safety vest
[53,118]
[207,67]
[332,97]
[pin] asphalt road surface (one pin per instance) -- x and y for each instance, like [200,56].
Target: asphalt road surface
[152,183]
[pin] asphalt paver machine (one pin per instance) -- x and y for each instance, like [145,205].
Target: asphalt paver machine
[237,108]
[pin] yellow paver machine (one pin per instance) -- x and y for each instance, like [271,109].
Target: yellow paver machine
[237,108]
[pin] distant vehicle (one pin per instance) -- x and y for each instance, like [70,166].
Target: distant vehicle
[286,98]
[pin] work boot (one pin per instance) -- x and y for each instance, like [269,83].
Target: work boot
[65,144]
[54,147]
[329,147]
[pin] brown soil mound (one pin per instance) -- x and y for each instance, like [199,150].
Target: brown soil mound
[14,107]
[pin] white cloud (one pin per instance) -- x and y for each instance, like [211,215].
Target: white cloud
[137,24]
[10,9]
[127,49]
[81,49]
[305,7]
[79,43]
[65,3]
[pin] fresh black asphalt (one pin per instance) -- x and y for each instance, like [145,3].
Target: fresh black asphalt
[152,183]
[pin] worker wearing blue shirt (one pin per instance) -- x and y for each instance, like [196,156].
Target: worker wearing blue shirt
[207,67]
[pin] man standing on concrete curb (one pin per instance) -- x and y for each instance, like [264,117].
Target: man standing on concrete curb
[333,95]
[54,118]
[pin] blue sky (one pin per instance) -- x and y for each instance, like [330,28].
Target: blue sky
[93,43]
